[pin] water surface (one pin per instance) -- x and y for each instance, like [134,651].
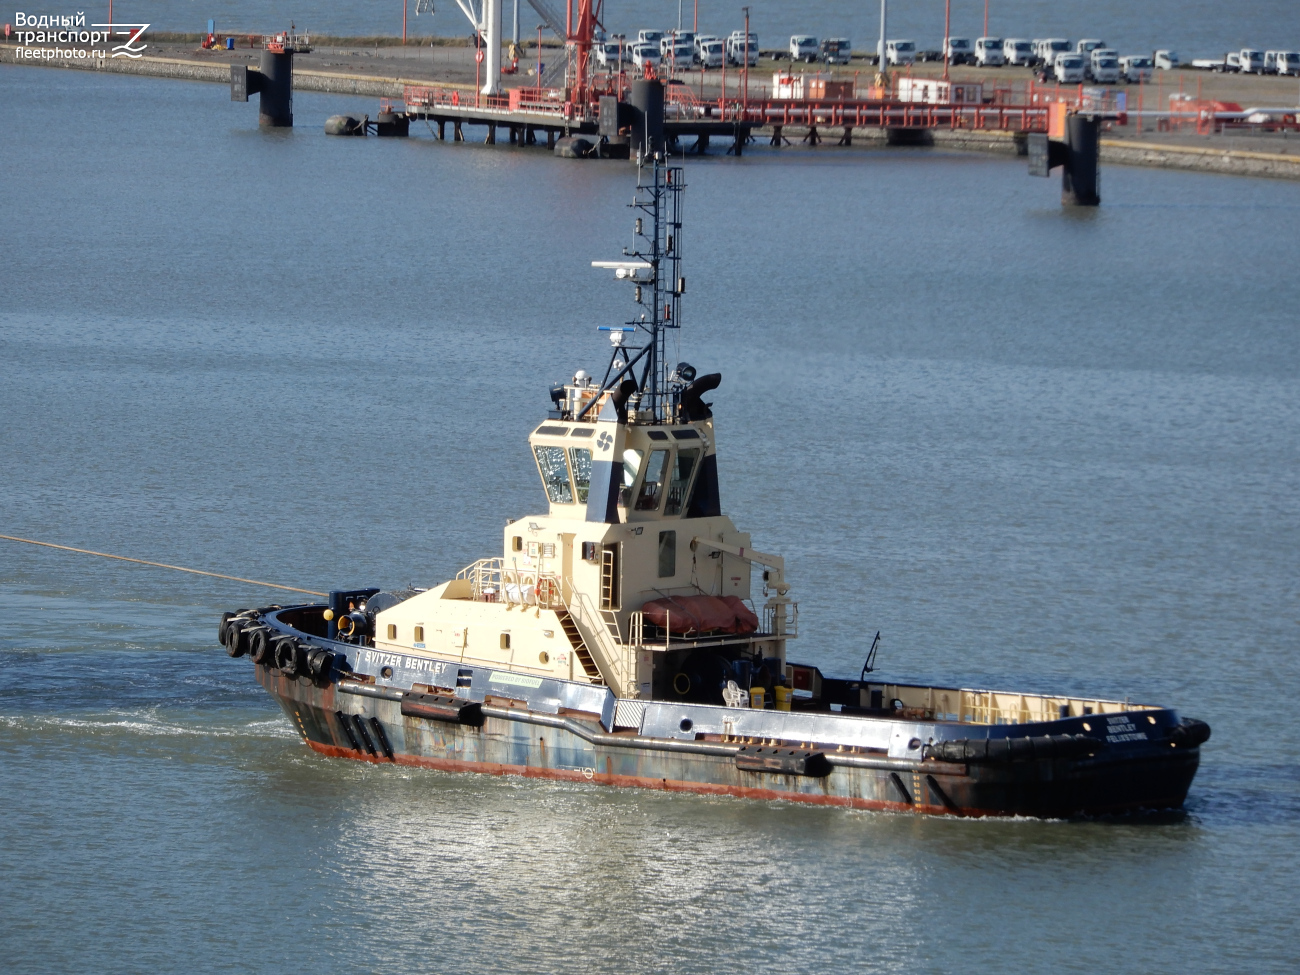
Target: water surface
[1038,449]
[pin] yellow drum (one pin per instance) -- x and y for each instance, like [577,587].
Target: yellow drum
[783,695]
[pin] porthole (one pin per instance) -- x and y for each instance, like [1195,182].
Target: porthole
[517,543]
[505,641]
[419,634]
[386,672]
[544,657]
[687,724]
[392,631]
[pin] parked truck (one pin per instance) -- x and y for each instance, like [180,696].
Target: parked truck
[900,53]
[737,47]
[988,52]
[803,47]
[1017,50]
[1135,69]
[837,50]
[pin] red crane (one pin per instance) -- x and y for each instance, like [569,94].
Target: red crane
[580,37]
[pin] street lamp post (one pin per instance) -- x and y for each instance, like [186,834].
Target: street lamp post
[947,37]
[744,80]
[881,74]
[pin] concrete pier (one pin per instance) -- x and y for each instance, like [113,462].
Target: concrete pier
[1235,156]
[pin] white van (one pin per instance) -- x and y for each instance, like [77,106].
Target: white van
[1105,67]
[837,50]
[1288,62]
[1166,60]
[1251,61]
[649,37]
[708,51]
[1068,68]
[1135,69]
[1087,46]
[609,53]
[735,49]
[645,56]
[677,50]
[988,52]
[899,53]
[1017,50]
[1048,48]
[959,50]
[803,47]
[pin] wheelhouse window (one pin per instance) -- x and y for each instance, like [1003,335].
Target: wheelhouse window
[631,467]
[651,492]
[580,458]
[680,482]
[667,554]
[555,474]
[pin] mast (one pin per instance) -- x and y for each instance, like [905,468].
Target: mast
[654,265]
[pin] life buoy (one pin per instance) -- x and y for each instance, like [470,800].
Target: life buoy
[547,591]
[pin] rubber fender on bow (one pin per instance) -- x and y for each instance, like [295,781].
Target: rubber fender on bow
[259,646]
[221,627]
[1191,733]
[1003,750]
[236,644]
[286,656]
[320,662]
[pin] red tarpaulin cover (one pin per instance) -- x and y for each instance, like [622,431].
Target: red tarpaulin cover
[700,614]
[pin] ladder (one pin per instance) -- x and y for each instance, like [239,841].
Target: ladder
[579,646]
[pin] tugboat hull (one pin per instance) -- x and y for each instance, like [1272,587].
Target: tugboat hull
[367,723]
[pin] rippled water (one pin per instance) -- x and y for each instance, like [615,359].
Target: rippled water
[1038,449]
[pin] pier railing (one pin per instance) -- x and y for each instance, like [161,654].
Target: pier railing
[542,101]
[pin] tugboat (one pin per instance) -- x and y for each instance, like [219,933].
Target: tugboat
[632,636]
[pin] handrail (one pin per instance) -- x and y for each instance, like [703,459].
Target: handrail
[618,657]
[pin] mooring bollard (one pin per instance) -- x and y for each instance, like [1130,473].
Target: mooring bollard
[1072,142]
[272,79]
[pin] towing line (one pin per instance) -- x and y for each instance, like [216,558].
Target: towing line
[161,565]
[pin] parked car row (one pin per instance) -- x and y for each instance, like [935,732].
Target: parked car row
[1055,57]
[1250,60]
[678,49]
[832,50]
[1089,59]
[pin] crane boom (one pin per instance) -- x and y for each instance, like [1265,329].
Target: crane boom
[775,563]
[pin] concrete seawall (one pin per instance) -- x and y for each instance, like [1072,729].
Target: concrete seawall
[1232,162]
[179,68]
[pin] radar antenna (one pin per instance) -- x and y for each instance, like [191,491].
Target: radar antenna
[654,266]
